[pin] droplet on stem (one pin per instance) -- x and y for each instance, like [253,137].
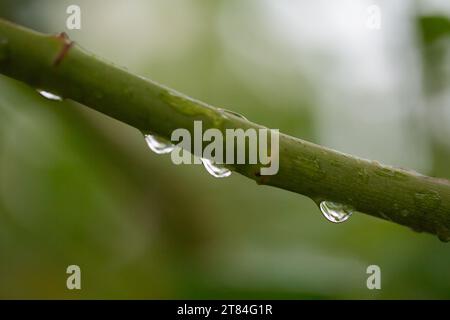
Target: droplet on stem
[49,95]
[158,145]
[335,212]
[215,170]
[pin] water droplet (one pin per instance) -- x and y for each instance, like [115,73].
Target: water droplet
[49,95]
[157,144]
[335,212]
[215,170]
[427,200]
[225,111]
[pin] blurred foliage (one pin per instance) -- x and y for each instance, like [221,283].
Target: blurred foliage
[434,32]
[434,28]
[79,188]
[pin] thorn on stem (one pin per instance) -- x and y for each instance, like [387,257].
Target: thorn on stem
[63,36]
[67,44]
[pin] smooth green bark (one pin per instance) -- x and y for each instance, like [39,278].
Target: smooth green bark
[54,64]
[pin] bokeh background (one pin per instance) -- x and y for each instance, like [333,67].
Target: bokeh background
[77,187]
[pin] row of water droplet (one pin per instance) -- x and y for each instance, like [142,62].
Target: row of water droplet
[332,211]
[161,146]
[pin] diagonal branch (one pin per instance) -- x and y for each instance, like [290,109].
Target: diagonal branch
[55,64]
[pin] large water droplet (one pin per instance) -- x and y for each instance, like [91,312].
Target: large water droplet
[215,170]
[49,95]
[157,144]
[335,212]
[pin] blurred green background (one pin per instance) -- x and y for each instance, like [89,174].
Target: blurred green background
[77,187]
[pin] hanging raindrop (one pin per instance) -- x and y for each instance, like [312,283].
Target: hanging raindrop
[215,170]
[158,145]
[49,95]
[335,212]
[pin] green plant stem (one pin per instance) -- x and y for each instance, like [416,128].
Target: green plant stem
[55,64]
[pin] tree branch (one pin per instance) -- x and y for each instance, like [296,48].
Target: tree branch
[55,64]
